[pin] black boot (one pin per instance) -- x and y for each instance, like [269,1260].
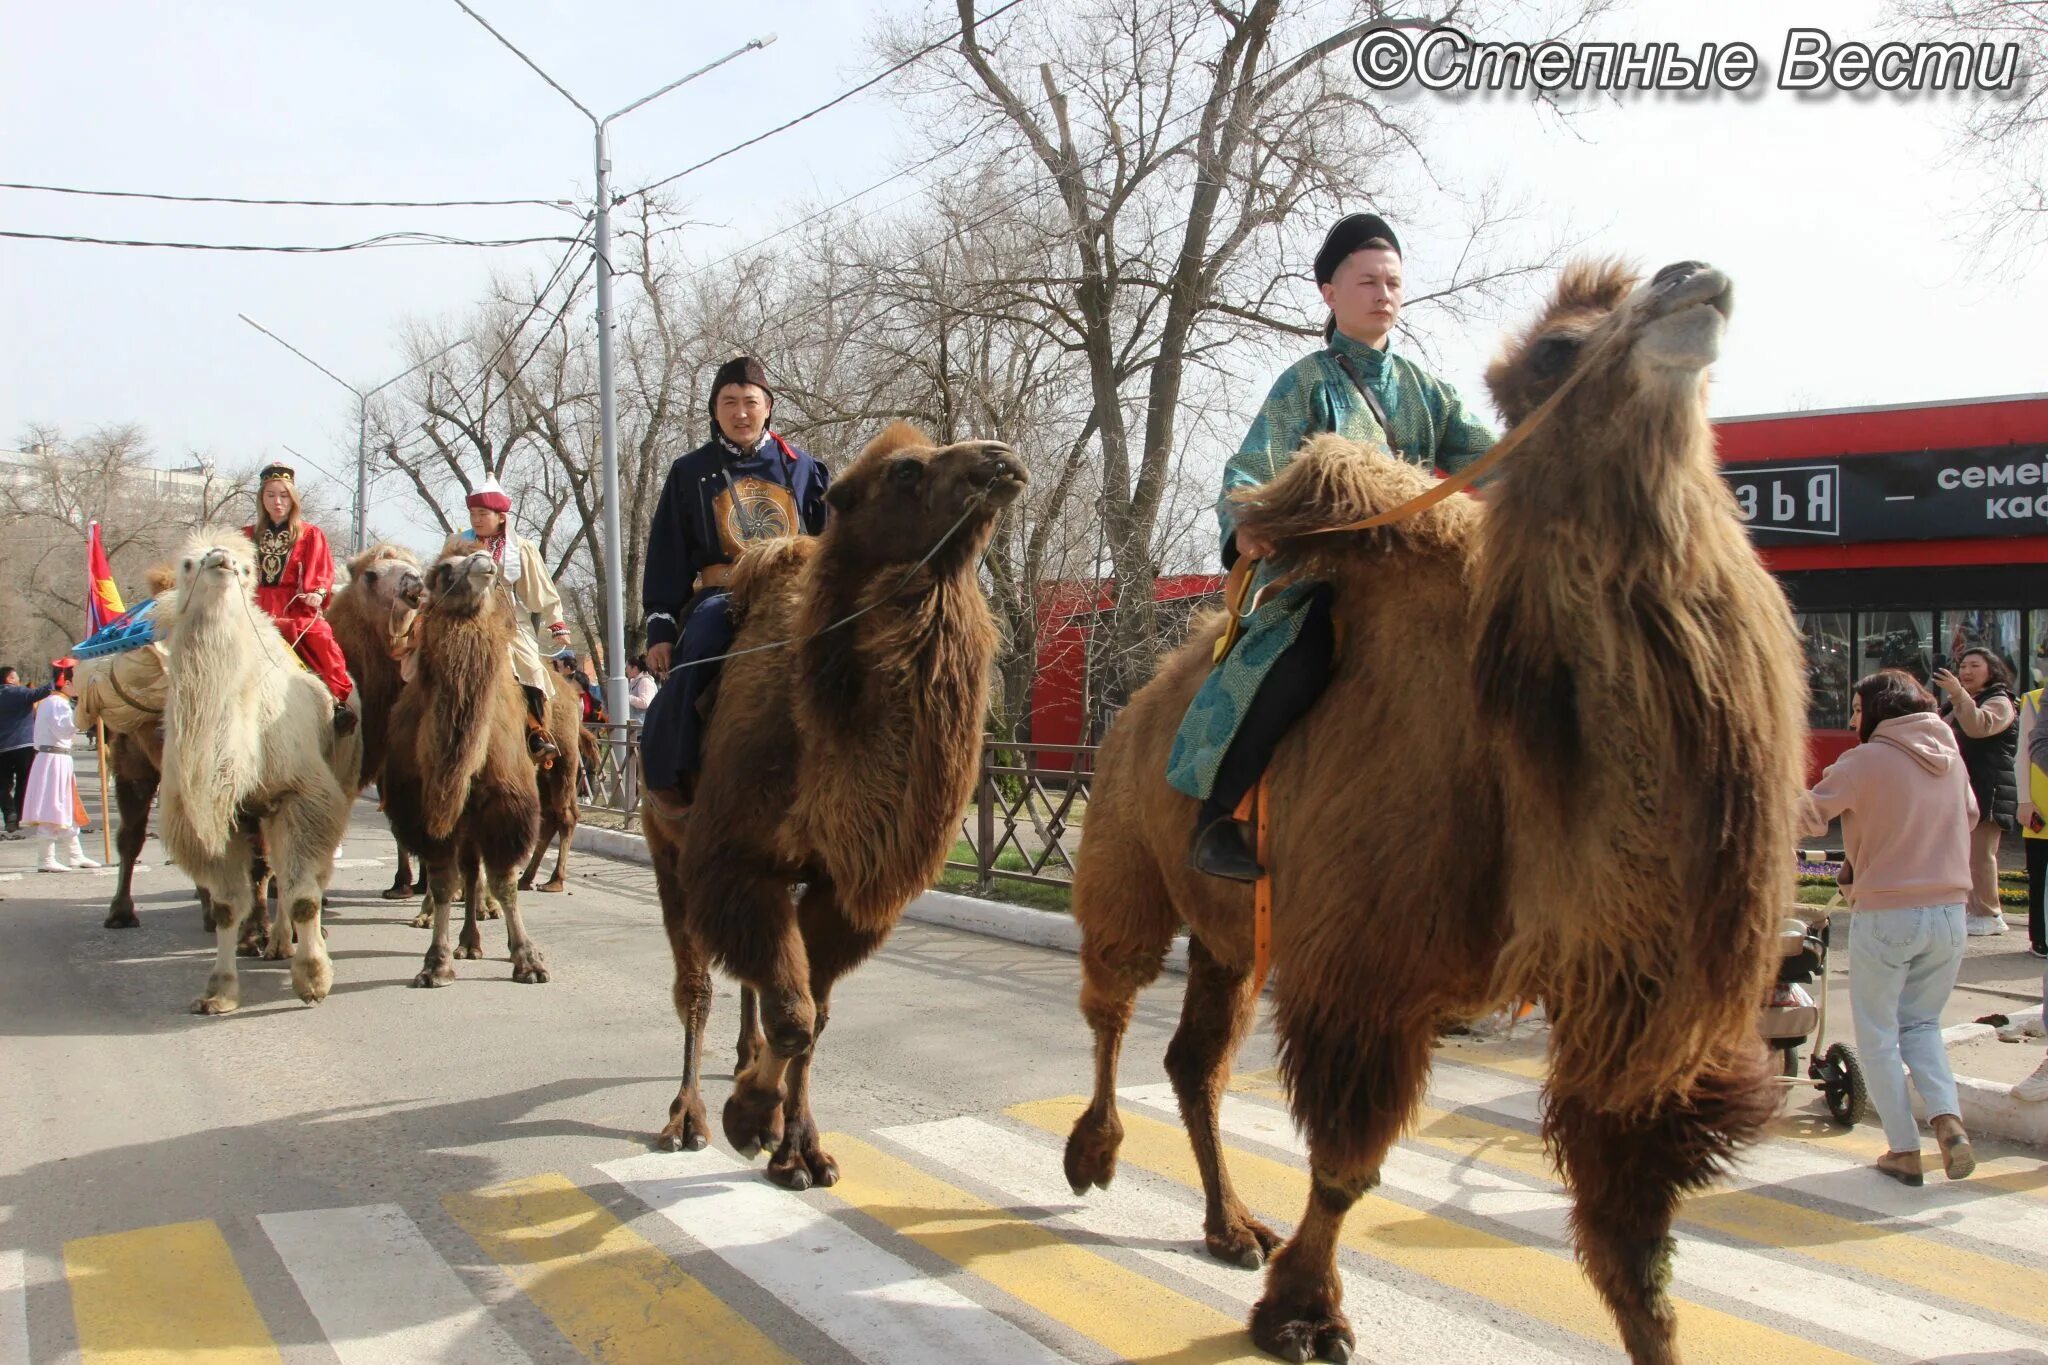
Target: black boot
[344,719]
[539,742]
[1222,847]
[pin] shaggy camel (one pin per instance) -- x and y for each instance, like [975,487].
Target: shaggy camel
[557,785]
[459,784]
[372,617]
[1600,818]
[248,735]
[842,763]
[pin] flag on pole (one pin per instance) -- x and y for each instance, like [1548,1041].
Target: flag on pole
[102,598]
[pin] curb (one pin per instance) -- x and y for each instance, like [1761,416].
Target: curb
[1988,1107]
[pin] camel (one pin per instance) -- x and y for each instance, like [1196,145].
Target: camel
[459,785]
[1557,761]
[842,762]
[557,785]
[372,618]
[248,735]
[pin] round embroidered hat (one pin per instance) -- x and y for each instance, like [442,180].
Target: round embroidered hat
[1350,232]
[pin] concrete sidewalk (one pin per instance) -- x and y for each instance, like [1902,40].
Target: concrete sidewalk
[1999,978]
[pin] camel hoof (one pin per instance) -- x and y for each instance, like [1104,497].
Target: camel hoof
[1312,1332]
[469,952]
[793,1177]
[312,982]
[275,952]
[401,892]
[1245,1243]
[423,920]
[213,1004]
[753,1121]
[689,1139]
[529,969]
[432,975]
[1091,1151]
[553,888]
[121,919]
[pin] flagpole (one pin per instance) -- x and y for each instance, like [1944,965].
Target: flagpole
[106,820]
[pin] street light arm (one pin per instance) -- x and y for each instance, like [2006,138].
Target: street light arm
[531,64]
[685,80]
[303,356]
[372,393]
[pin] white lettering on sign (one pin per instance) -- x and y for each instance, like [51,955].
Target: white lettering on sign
[1820,498]
[1973,477]
[2007,509]
[1949,478]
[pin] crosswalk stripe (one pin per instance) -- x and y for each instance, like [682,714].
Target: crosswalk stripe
[1797,1292]
[1402,1325]
[1528,1279]
[381,1292]
[873,1303]
[168,1295]
[610,1291]
[13,1308]
[1953,1272]
[1787,1167]
[1134,1316]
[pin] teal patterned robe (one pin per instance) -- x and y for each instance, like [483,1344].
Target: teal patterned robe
[1431,427]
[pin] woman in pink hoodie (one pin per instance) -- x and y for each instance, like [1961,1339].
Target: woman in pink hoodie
[1907,812]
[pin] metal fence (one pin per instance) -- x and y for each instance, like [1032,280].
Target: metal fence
[1029,804]
[1024,823]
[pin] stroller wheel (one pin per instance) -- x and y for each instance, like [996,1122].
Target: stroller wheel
[1841,1083]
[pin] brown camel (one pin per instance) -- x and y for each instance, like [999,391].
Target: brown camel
[557,785]
[459,783]
[372,618]
[1557,761]
[842,763]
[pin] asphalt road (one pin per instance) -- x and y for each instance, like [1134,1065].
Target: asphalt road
[465,1174]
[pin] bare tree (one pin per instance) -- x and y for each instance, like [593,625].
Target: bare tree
[2005,133]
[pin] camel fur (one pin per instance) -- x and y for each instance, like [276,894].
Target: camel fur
[1557,761]
[372,618]
[842,762]
[248,737]
[556,784]
[459,785]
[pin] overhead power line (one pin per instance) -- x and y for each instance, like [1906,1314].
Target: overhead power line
[840,98]
[291,203]
[384,239]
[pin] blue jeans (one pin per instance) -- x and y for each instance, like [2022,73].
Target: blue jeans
[1902,966]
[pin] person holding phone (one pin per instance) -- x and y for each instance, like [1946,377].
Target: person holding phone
[1980,708]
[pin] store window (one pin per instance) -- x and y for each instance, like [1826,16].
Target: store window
[1979,628]
[1895,639]
[2035,673]
[1829,668]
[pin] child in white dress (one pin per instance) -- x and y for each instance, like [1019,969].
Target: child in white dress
[51,804]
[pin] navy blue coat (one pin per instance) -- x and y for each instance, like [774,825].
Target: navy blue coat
[18,715]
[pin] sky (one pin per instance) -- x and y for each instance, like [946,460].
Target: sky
[1838,219]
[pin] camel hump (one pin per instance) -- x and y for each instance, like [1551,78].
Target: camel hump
[769,566]
[1333,482]
[898,435]
[160,579]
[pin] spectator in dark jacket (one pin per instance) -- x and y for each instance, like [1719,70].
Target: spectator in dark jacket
[1984,715]
[17,744]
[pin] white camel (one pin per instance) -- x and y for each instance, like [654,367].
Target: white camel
[248,739]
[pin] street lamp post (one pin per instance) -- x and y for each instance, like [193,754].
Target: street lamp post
[607,400]
[361,517]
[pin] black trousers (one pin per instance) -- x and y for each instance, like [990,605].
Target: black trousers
[672,735]
[1290,688]
[2037,873]
[14,766]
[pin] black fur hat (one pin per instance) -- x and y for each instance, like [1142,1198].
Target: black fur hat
[741,369]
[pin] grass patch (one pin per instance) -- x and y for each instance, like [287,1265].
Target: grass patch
[1030,895]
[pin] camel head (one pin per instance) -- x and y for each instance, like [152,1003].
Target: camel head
[1644,345]
[460,585]
[217,565]
[390,577]
[902,496]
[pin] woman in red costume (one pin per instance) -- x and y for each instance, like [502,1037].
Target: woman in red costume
[294,578]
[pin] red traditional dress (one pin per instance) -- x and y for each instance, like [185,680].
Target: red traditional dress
[289,570]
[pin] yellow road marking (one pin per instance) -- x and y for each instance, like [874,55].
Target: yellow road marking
[1534,1282]
[611,1292]
[168,1295]
[1136,1317]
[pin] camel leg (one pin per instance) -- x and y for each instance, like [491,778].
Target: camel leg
[226,884]
[755,937]
[471,943]
[687,1129]
[565,834]
[402,888]
[1352,1088]
[541,840]
[439,967]
[133,795]
[1126,928]
[300,844]
[1216,1013]
[835,946]
[752,1042]
[529,968]
[1627,1174]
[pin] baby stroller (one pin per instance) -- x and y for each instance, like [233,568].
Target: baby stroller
[1796,1013]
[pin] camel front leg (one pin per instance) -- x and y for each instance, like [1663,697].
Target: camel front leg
[225,883]
[402,888]
[134,795]
[688,1129]
[1127,925]
[529,968]
[439,967]
[1216,1013]
[540,850]
[746,924]
[300,844]
[752,1042]
[470,945]
[565,834]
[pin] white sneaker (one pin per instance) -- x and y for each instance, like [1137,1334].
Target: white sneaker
[1983,926]
[75,856]
[2034,1087]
